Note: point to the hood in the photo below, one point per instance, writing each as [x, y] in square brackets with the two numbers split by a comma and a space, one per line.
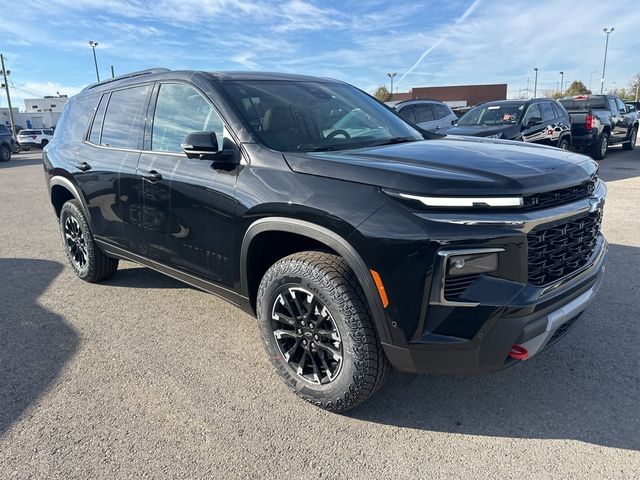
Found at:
[474, 130]
[452, 166]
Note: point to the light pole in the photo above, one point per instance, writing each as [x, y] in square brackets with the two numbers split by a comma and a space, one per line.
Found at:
[561, 83]
[604, 64]
[93, 46]
[391, 75]
[535, 83]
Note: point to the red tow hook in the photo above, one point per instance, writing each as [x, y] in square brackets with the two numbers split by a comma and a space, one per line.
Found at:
[518, 352]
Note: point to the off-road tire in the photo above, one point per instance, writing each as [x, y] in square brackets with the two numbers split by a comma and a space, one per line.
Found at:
[98, 265]
[598, 151]
[328, 277]
[631, 143]
[5, 153]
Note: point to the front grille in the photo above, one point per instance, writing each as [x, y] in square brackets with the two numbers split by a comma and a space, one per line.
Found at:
[454, 287]
[560, 196]
[559, 250]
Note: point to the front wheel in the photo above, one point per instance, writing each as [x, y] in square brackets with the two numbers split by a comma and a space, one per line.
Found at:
[599, 150]
[85, 257]
[631, 143]
[317, 331]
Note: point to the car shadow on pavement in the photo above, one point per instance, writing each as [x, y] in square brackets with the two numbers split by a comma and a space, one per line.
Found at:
[586, 387]
[35, 343]
[142, 277]
[20, 162]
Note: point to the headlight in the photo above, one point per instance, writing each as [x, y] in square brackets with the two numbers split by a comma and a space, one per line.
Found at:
[495, 135]
[472, 264]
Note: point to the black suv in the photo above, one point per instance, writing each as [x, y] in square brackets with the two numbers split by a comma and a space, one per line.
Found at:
[357, 243]
[541, 120]
[7, 144]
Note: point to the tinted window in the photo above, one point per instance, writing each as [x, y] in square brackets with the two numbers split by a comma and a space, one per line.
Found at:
[547, 111]
[557, 108]
[123, 125]
[440, 111]
[583, 103]
[75, 118]
[181, 110]
[407, 114]
[96, 128]
[503, 113]
[612, 105]
[532, 111]
[48, 132]
[423, 113]
[620, 104]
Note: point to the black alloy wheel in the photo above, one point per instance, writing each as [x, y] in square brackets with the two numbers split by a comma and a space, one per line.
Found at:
[75, 242]
[307, 335]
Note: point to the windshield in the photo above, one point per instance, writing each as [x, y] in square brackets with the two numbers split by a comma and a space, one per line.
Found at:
[493, 115]
[315, 116]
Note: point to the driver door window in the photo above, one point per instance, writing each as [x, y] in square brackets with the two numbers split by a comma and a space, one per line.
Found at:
[532, 111]
[181, 110]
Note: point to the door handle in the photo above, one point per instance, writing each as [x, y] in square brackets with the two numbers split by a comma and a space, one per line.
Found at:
[84, 166]
[152, 176]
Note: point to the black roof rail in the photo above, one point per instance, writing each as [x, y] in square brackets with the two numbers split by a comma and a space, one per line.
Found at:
[127, 75]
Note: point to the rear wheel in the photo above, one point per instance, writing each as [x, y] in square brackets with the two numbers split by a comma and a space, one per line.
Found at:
[564, 144]
[599, 150]
[5, 153]
[85, 257]
[318, 332]
[631, 143]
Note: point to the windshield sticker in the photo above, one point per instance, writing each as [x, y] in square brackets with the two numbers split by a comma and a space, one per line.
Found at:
[493, 107]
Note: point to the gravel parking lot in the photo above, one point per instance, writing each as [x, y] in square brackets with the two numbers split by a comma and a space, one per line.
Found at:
[142, 376]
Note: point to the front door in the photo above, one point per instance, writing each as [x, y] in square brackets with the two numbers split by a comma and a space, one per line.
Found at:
[533, 131]
[189, 206]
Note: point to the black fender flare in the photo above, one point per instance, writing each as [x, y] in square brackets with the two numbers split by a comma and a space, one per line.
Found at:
[72, 188]
[332, 240]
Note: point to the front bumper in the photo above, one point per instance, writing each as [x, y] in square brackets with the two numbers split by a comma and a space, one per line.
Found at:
[475, 334]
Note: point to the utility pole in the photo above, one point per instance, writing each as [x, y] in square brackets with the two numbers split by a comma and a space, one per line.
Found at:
[535, 84]
[561, 82]
[113, 75]
[604, 64]
[6, 86]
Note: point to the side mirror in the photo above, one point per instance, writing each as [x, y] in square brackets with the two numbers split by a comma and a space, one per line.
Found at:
[454, 122]
[623, 111]
[201, 145]
[534, 121]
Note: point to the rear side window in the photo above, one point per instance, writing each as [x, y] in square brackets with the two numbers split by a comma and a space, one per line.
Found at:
[181, 110]
[547, 111]
[407, 114]
[123, 125]
[440, 111]
[424, 113]
[96, 128]
[558, 110]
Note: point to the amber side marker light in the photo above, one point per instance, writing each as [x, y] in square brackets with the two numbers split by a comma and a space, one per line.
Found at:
[381, 291]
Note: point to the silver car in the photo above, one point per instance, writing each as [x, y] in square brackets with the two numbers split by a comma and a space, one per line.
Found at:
[427, 114]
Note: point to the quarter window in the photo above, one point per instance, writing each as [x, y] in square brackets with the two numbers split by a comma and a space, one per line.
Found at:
[181, 110]
[440, 111]
[124, 120]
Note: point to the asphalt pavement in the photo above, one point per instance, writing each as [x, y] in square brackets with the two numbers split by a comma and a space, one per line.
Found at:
[144, 377]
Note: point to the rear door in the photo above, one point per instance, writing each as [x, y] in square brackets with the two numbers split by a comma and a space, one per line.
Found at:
[189, 209]
[105, 168]
[618, 132]
[625, 119]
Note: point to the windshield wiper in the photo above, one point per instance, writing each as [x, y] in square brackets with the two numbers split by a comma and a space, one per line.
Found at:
[393, 140]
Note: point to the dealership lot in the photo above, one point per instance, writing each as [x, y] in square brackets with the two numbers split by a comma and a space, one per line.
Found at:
[142, 376]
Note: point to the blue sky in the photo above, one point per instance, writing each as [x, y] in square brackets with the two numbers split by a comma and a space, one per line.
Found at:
[425, 42]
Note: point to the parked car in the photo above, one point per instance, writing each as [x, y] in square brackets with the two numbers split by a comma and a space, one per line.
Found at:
[598, 121]
[541, 120]
[427, 114]
[304, 201]
[34, 137]
[8, 145]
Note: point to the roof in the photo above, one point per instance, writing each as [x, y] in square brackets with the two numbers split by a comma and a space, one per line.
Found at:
[154, 73]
